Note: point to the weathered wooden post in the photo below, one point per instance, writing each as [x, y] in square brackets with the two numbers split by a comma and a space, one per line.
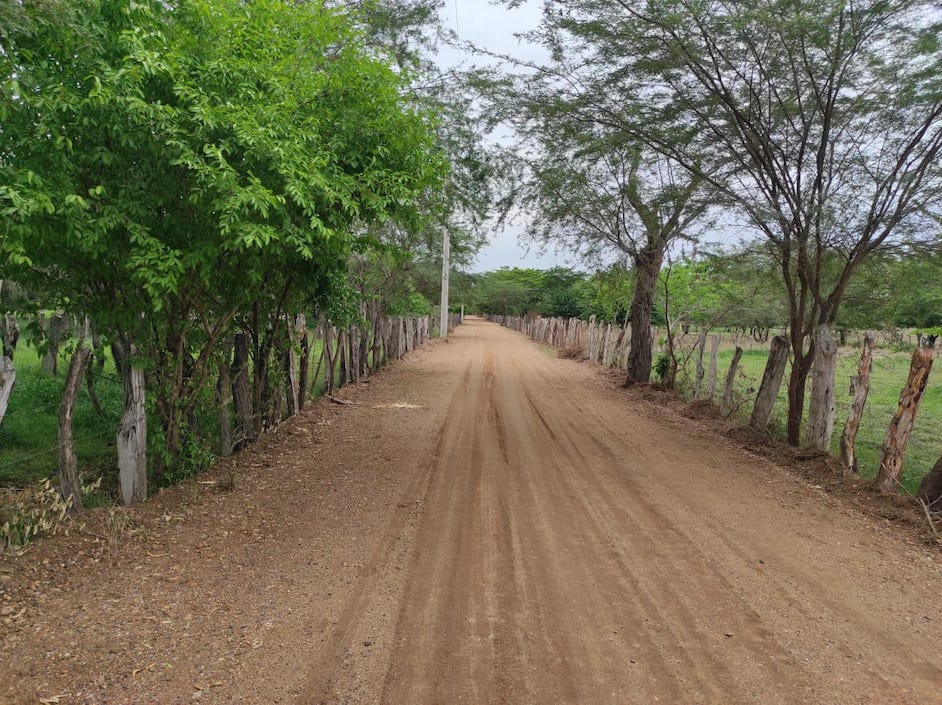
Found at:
[714, 361]
[822, 407]
[727, 406]
[771, 382]
[901, 427]
[859, 389]
[132, 431]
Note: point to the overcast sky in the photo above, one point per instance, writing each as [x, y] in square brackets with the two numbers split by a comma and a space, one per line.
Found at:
[492, 26]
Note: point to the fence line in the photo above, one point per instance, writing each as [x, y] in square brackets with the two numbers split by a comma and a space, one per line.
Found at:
[604, 343]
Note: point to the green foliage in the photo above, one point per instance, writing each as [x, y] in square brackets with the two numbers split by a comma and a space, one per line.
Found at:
[410, 305]
[901, 291]
[662, 366]
[170, 170]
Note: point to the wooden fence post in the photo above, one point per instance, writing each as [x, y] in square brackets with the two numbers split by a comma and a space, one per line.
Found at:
[897, 435]
[730, 380]
[859, 389]
[714, 359]
[822, 407]
[771, 382]
[132, 432]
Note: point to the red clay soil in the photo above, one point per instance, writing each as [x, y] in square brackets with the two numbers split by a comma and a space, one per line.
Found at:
[484, 524]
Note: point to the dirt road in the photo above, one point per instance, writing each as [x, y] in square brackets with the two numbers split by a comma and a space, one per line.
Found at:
[485, 524]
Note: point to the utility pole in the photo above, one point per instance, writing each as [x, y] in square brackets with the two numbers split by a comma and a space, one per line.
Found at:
[446, 255]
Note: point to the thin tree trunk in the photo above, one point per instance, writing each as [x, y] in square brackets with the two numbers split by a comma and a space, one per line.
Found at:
[9, 334]
[859, 389]
[7, 381]
[771, 382]
[132, 431]
[321, 327]
[727, 406]
[930, 488]
[328, 386]
[304, 364]
[56, 329]
[242, 393]
[289, 359]
[68, 464]
[897, 435]
[90, 385]
[822, 407]
[797, 379]
[701, 370]
[223, 401]
[342, 355]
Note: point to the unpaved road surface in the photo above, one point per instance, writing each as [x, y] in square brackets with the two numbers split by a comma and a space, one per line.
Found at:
[484, 524]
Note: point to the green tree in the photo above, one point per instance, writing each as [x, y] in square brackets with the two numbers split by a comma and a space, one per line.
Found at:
[820, 122]
[586, 181]
[169, 169]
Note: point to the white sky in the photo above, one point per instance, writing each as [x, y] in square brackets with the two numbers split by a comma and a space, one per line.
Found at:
[492, 26]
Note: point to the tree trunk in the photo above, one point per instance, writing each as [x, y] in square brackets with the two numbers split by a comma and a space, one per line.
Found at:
[801, 366]
[98, 348]
[771, 382]
[7, 380]
[9, 334]
[304, 340]
[647, 267]
[223, 401]
[68, 464]
[930, 489]
[727, 406]
[289, 358]
[56, 329]
[701, 370]
[822, 407]
[714, 366]
[859, 389]
[90, 385]
[364, 347]
[242, 393]
[132, 431]
[328, 355]
[897, 435]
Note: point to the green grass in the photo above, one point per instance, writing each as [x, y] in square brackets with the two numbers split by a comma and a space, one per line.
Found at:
[29, 429]
[28, 434]
[887, 377]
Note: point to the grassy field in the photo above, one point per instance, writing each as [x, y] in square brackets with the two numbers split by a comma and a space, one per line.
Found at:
[887, 377]
[28, 432]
